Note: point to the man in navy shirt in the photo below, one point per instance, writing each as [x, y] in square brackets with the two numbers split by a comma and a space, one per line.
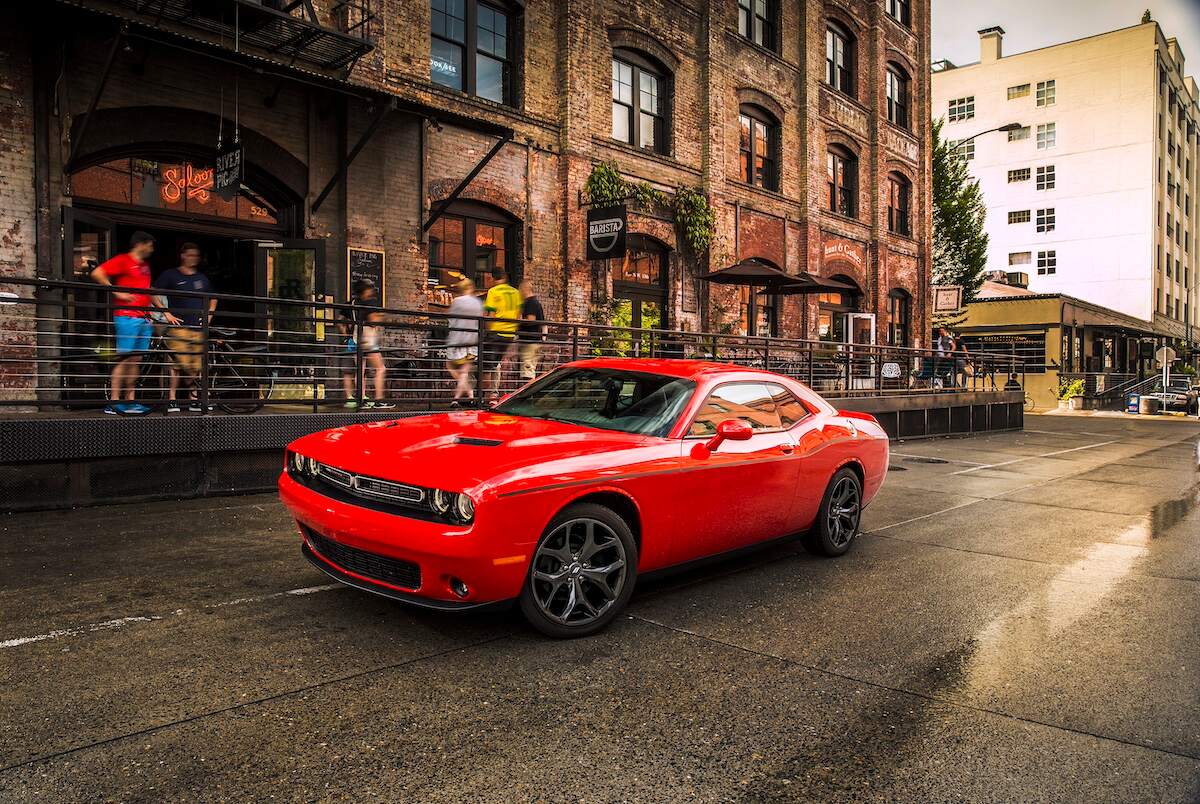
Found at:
[185, 316]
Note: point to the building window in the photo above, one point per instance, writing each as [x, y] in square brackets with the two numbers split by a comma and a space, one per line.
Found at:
[1018, 216]
[965, 149]
[1045, 220]
[897, 95]
[1045, 177]
[842, 181]
[1045, 93]
[1020, 174]
[1176, 307]
[756, 22]
[1047, 136]
[1019, 91]
[900, 11]
[899, 315]
[839, 58]
[759, 148]
[899, 204]
[639, 101]
[1021, 133]
[962, 109]
[471, 49]
[1047, 262]
[1020, 258]
[471, 243]
[758, 313]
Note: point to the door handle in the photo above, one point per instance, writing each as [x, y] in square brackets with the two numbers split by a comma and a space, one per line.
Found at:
[786, 449]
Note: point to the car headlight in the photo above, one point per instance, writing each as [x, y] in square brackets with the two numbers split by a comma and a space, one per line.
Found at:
[441, 501]
[464, 506]
[297, 462]
[452, 505]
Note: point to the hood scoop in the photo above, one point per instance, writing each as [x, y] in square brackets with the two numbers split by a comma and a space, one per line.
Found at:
[470, 441]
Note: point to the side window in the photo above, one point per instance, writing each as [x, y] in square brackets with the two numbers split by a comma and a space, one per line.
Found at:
[750, 402]
[791, 410]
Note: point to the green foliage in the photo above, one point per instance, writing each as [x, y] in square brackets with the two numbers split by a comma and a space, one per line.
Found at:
[695, 221]
[1070, 390]
[959, 242]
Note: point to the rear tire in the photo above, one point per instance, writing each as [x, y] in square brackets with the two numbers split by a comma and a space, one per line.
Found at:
[839, 518]
[582, 574]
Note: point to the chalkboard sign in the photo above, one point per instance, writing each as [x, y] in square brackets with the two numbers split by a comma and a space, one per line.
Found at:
[365, 263]
[227, 178]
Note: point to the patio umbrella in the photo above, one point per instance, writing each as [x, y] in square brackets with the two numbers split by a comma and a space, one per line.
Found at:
[805, 282]
[754, 273]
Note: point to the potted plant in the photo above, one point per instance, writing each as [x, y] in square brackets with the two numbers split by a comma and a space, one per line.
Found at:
[1070, 395]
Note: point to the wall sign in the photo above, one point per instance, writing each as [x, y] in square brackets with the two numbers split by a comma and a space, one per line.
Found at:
[365, 263]
[227, 181]
[947, 298]
[851, 251]
[606, 232]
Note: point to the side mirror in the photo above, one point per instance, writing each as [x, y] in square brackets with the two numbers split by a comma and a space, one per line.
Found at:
[730, 430]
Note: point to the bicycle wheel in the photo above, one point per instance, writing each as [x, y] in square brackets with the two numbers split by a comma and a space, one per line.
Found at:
[238, 387]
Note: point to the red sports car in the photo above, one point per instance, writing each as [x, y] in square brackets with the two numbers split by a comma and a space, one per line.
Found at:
[572, 487]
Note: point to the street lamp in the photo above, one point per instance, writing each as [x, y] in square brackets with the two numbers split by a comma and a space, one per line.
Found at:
[1006, 127]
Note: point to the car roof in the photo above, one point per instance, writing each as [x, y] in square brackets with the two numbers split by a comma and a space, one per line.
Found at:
[687, 369]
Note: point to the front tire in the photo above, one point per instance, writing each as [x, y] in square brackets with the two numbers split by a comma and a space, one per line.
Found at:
[839, 517]
[582, 574]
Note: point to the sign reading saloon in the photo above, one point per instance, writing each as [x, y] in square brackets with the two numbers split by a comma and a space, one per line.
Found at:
[606, 233]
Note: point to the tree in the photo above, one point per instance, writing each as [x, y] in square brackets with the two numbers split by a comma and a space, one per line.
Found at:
[959, 242]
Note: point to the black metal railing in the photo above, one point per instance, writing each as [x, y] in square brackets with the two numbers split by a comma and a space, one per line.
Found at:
[58, 349]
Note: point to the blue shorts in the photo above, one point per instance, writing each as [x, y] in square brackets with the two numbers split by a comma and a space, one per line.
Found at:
[133, 333]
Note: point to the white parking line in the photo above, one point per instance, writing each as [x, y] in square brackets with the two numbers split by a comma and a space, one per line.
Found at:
[935, 458]
[1034, 457]
[108, 625]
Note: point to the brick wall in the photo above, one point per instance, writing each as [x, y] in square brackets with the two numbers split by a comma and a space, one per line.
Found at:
[17, 208]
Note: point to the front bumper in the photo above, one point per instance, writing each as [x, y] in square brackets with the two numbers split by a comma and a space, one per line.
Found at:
[491, 562]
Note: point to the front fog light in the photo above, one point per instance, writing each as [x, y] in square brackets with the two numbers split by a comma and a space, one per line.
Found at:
[465, 508]
[441, 501]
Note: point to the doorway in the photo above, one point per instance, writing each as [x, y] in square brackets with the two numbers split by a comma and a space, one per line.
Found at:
[639, 294]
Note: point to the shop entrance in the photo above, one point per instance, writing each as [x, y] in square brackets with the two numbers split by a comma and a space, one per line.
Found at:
[640, 293]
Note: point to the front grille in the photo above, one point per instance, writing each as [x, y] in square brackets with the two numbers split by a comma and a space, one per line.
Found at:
[404, 574]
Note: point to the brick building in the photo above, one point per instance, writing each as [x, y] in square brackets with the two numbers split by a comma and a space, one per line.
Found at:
[804, 122]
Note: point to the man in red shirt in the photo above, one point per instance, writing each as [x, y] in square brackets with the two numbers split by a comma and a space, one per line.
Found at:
[132, 326]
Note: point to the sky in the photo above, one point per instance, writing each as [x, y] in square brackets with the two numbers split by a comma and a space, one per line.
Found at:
[1030, 24]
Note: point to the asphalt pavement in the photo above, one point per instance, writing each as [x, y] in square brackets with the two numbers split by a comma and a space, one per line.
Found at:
[1019, 623]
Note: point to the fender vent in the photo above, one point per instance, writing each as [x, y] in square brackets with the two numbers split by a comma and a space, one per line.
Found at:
[477, 442]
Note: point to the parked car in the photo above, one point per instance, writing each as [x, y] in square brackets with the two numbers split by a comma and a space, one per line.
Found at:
[577, 484]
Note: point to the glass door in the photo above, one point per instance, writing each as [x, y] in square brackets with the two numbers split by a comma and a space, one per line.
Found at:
[292, 271]
[635, 311]
[85, 336]
[860, 332]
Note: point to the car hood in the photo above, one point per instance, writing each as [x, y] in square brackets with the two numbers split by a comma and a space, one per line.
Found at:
[469, 449]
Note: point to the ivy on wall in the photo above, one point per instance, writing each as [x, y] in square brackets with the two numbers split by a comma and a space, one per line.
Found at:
[695, 221]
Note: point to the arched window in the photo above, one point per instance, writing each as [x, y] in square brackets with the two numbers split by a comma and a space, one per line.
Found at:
[832, 308]
[839, 58]
[472, 47]
[640, 100]
[472, 239]
[842, 181]
[758, 21]
[900, 11]
[759, 147]
[897, 86]
[899, 205]
[899, 317]
[639, 282]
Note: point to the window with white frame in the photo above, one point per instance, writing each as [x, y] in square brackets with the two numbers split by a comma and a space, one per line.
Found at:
[1047, 136]
[1045, 93]
[1020, 174]
[1020, 258]
[1047, 262]
[1018, 91]
[961, 109]
[1021, 133]
[964, 148]
[1018, 216]
[1045, 177]
[1045, 219]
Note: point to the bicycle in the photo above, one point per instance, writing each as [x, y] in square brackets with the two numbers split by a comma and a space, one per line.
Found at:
[239, 381]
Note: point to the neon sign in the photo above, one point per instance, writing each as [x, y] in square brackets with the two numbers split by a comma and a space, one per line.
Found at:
[196, 183]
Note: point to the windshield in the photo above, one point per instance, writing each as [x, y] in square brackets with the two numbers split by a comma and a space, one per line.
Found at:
[610, 399]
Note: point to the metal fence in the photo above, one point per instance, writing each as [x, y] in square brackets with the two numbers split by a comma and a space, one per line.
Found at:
[58, 349]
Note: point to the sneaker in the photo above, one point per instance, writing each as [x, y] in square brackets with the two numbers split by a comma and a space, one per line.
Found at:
[383, 405]
[196, 408]
[350, 405]
[111, 410]
[173, 407]
[136, 409]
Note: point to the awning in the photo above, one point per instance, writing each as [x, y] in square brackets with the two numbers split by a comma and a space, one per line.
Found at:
[754, 273]
[811, 283]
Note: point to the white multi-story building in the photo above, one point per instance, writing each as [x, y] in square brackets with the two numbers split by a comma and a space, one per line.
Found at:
[1095, 196]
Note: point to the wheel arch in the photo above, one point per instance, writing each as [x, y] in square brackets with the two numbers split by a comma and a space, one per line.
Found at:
[619, 502]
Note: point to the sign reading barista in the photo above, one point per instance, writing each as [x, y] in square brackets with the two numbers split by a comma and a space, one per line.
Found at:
[606, 232]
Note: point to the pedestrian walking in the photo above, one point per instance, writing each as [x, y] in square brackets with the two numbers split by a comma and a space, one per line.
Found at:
[361, 326]
[532, 331]
[503, 303]
[963, 367]
[945, 348]
[185, 318]
[131, 325]
[462, 339]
